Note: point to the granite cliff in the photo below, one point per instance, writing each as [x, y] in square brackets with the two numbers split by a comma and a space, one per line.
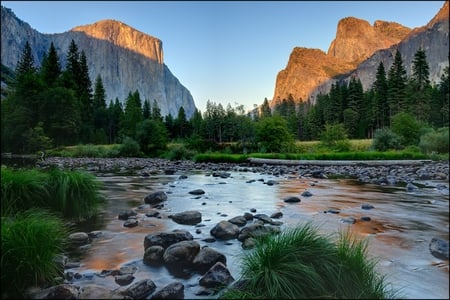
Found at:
[357, 51]
[125, 58]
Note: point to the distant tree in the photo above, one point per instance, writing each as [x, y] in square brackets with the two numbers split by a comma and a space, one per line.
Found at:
[156, 111]
[265, 109]
[407, 127]
[100, 112]
[419, 88]
[115, 115]
[26, 63]
[181, 124]
[169, 122]
[132, 115]
[51, 67]
[146, 109]
[380, 106]
[396, 85]
[152, 136]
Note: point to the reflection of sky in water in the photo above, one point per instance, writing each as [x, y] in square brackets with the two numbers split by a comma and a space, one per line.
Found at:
[401, 226]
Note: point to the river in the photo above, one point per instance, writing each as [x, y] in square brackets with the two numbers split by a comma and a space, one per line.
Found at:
[399, 231]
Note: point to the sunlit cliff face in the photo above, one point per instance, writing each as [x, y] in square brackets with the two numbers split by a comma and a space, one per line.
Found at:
[126, 37]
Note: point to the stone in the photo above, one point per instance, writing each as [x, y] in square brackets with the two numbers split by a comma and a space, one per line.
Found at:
[124, 279]
[61, 291]
[155, 198]
[140, 289]
[174, 290]
[79, 238]
[130, 223]
[225, 230]
[190, 217]
[367, 206]
[306, 194]
[153, 255]
[197, 192]
[238, 220]
[292, 199]
[182, 253]
[217, 276]
[439, 248]
[206, 258]
[165, 239]
[276, 215]
[124, 215]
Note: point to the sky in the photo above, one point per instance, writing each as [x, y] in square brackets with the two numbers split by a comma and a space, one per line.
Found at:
[228, 52]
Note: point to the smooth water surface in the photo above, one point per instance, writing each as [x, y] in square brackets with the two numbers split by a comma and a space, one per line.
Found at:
[402, 224]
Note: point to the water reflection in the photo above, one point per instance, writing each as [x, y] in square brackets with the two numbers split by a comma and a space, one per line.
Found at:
[399, 230]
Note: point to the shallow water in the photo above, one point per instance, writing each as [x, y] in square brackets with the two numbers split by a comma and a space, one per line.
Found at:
[401, 227]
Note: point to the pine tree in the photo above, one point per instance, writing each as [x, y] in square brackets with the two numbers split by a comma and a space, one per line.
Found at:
[419, 87]
[146, 110]
[51, 67]
[132, 115]
[397, 86]
[26, 63]
[156, 111]
[265, 109]
[100, 112]
[380, 106]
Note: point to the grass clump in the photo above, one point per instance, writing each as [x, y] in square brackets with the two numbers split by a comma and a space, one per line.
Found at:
[301, 264]
[73, 194]
[31, 240]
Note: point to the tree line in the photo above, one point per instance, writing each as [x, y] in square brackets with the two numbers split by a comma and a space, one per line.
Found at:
[50, 106]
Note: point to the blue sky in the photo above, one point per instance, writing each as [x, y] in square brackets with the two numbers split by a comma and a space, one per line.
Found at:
[226, 51]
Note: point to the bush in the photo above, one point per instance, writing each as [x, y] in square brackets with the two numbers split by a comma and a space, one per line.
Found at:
[384, 139]
[31, 241]
[435, 141]
[179, 152]
[273, 135]
[407, 128]
[152, 136]
[335, 137]
[129, 148]
[300, 264]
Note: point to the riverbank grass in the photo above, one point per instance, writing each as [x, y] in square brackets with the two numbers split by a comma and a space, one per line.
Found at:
[73, 194]
[301, 264]
[30, 242]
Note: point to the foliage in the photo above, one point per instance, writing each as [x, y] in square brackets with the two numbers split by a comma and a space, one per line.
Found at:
[325, 269]
[31, 240]
[385, 139]
[334, 137]
[179, 152]
[129, 148]
[152, 136]
[435, 141]
[407, 128]
[273, 135]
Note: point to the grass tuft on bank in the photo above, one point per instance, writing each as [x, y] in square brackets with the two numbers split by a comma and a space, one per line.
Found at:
[301, 264]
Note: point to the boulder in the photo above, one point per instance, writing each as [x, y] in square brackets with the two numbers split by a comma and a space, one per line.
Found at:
[155, 198]
[217, 276]
[130, 223]
[124, 279]
[79, 238]
[153, 255]
[190, 217]
[124, 215]
[239, 221]
[439, 248]
[140, 289]
[225, 230]
[206, 258]
[292, 199]
[174, 290]
[182, 253]
[165, 239]
[62, 291]
[197, 192]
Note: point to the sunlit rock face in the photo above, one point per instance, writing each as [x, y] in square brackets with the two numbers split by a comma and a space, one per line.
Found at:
[125, 58]
[357, 51]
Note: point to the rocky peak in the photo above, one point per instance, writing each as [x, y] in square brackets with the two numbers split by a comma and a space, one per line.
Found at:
[126, 37]
[356, 39]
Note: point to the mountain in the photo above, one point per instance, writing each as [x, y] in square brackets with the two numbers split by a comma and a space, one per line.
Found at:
[357, 51]
[125, 58]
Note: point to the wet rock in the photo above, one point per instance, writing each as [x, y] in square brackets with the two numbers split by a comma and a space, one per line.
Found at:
[367, 206]
[153, 255]
[124, 215]
[225, 230]
[127, 270]
[349, 220]
[332, 211]
[62, 291]
[130, 223]
[439, 248]
[318, 174]
[263, 217]
[174, 290]
[169, 171]
[221, 174]
[276, 215]
[95, 234]
[248, 216]
[253, 210]
[292, 199]
[190, 217]
[206, 258]
[152, 213]
[365, 218]
[182, 253]
[79, 238]
[248, 243]
[197, 192]
[140, 289]
[271, 182]
[256, 230]
[165, 239]
[238, 220]
[306, 194]
[155, 198]
[124, 279]
[217, 276]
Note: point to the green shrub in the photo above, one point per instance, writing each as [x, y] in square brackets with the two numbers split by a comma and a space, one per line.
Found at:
[435, 141]
[129, 148]
[407, 128]
[272, 134]
[179, 152]
[31, 240]
[152, 136]
[384, 139]
[300, 264]
[334, 137]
